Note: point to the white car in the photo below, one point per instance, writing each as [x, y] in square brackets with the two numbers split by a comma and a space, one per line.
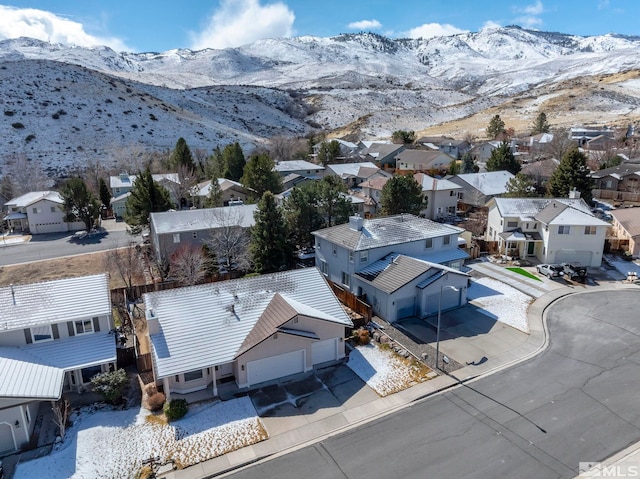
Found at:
[550, 270]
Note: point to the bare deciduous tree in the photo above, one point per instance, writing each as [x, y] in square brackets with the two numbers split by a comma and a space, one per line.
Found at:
[560, 144]
[187, 180]
[282, 148]
[127, 264]
[229, 241]
[188, 265]
[61, 411]
[25, 175]
[133, 158]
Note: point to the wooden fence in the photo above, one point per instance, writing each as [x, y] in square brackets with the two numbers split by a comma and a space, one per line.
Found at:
[616, 195]
[144, 364]
[352, 302]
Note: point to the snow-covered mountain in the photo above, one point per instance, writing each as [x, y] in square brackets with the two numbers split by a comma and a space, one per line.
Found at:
[365, 84]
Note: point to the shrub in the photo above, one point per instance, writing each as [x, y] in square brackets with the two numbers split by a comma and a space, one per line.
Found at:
[361, 336]
[110, 385]
[175, 409]
[9, 112]
[17, 125]
[155, 402]
[30, 138]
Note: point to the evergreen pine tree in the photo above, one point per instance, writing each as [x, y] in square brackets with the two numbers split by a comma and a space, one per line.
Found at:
[540, 125]
[520, 186]
[468, 163]
[79, 202]
[147, 197]
[495, 127]
[334, 205]
[572, 172]
[402, 194]
[234, 161]
[181, 156]
[328, 152]
[454, 168]
[260, 175]
[105, 193]
[302, 215]
[214, 197]
[502, 159]
[270, 248]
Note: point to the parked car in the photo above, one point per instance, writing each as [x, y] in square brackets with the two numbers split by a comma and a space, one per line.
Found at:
[575, 271]
[550, 270]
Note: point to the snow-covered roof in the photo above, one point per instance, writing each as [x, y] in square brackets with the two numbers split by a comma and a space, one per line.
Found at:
[346, 170]
[203, 219]
[36, 371]
[386, 231]
[297, 165]
[206, 325]
[124, 180]
[34, 196]
[27, 305]
[429, 183]
[489, 183]
[203, 188]
[548, 210]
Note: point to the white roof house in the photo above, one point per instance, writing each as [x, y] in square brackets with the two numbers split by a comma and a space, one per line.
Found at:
[33, 196]
[224, 318]
[303, 167]
[124, 181]
[349, 170]
[192, 220]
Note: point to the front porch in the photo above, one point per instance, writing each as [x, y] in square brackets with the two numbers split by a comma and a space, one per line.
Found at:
[520, 245]
[224, 391]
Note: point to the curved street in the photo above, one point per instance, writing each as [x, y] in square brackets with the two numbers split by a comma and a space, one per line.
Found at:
[575, 402]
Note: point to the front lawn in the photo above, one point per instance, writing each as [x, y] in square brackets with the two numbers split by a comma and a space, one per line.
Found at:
[524, 272]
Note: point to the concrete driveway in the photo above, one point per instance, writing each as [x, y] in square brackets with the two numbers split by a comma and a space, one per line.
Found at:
[307, 398]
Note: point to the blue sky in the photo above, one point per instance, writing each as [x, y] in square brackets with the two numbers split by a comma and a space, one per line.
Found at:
[159, 25]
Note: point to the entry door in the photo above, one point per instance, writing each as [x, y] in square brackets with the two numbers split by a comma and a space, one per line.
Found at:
[6, 439]
[531, 247]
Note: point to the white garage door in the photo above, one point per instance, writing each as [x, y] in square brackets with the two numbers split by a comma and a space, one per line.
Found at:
[323, 351]
[406, 307]
[450, 299]
[49, 228]
[275, 367]
[6, 439]
[572, 256]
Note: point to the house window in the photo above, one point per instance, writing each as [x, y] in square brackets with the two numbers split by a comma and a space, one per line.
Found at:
[28, 415]
[428, 243]
[83, 326]
[589, 230]
[117, 191]
[41, 333]
[193, 375]
[535, 226]
[88, 373]
[323, 267]
[346, 279]
[446, 240]
[490, 231]
[512, 224]
[334, 248]
[350, 256]
[564, 230]
[364, 256]
[451, 193]
[53, 209]
[194, 234]
[36, 210]
[176, 237]
[318, 243]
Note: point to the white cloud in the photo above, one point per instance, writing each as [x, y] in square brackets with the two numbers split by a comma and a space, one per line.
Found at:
[603, 4]
[530, 14]
[489, 24]
[46, 26]
[429, 30]
[238, 22]
[365, 25]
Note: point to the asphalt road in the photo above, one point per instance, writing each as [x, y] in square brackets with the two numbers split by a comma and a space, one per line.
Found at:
[575, 402]
[56, 245]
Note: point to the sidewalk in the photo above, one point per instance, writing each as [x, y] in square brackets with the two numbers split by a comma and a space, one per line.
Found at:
[296, 433]
[13, 239]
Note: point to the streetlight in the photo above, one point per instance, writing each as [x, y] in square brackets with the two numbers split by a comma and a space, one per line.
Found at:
[442, 287]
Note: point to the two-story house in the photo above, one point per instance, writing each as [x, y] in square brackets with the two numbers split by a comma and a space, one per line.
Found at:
[299, 167]
[232, 192]
[345, 251]
[353, 174]
[553, 230]
[371, 194]
[54, 336]
[383, 154]
[441, 196]
[621, 182]
[250, 330]
[422, 160]
[39, 212]
[625, 229]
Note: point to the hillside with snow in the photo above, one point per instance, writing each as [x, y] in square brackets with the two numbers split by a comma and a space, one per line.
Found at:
[364, 85]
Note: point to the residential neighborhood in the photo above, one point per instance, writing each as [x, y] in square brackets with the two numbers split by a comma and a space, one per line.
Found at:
[228, 291]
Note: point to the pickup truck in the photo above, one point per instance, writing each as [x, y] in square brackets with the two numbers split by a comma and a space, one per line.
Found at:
[575, 271]
[550, 270]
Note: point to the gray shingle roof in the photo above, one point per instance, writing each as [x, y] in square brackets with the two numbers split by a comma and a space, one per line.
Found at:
[204, 219]
[206, 325]
[26, 305]
[629, 219]
[386, 231]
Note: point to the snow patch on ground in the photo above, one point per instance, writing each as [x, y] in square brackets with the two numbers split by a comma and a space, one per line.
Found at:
[500, 301]
[113, 444]
[384, 371]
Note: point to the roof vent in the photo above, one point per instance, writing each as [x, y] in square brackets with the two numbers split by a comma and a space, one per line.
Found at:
[13, 294]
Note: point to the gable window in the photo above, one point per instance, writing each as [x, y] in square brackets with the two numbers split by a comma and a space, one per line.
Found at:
[83, 326]
[42, 333]
[350, 256]
[195, 235]
[176, 237]
[36, 210]
[364, 256]
[428, 243]
[193, 375]
[564, 230]
[53, 209]
[334, 248]
[446, 240]
[589, 230]
[346, 279]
